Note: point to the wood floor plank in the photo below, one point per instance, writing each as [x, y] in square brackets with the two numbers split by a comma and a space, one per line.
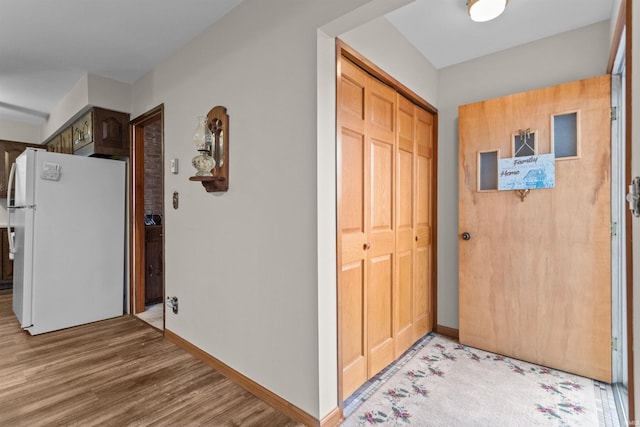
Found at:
[118, 372]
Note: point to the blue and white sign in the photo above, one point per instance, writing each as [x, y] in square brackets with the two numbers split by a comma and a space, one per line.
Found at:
[521, 173]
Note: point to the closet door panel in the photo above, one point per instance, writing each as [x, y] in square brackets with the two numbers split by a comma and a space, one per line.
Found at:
[424, 192]
[379, 308]
[353, 199]
[354, 352]
[380, 111]
[405, 256]
[384, 224]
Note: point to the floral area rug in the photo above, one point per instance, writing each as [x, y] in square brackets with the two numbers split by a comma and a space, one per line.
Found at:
[448, 384]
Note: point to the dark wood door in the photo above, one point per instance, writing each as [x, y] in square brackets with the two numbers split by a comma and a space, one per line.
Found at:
[9, 151]
[153, 264]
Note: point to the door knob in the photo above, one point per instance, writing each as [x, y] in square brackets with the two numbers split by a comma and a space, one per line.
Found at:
[465, 236]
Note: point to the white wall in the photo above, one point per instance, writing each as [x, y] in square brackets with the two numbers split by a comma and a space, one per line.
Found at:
[12, 130]
[90, 90]
[244, 264]
[326, 172]
[381, 43]
[75, 100]
[563, 58]
[108, 93]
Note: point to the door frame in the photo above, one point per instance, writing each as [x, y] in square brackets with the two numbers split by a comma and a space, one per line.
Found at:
[343, 51]
[136, 203]
[622, 39]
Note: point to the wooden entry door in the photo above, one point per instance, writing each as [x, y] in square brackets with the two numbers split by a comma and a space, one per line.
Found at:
[535, 274]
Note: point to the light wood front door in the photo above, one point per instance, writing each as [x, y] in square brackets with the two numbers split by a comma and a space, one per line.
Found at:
[535, 274]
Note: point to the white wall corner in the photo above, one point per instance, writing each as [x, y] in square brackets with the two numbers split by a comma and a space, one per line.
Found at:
[74, 101]
[110, 94]
[365, 13]
[13, 130]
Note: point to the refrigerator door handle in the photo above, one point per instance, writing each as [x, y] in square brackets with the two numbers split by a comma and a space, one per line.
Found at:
[10, 234]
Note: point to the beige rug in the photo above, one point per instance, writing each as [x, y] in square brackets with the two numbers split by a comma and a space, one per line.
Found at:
[448, 384]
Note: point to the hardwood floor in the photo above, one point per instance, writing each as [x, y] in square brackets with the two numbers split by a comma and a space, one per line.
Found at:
[118, 372]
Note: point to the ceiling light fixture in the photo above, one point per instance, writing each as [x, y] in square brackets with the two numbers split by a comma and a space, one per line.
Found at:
[486, 10]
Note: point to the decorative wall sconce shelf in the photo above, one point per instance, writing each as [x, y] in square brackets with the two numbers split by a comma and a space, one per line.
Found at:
[212, 142]
[212, 183]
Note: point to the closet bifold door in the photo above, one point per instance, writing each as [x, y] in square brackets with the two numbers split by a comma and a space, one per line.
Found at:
[353, 224]
[367, 120]
[405, 196]
[385, 163]
[380, 111]
[423, 241]
[412, 308]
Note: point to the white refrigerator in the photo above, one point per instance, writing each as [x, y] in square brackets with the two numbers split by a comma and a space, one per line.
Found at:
[67, 236]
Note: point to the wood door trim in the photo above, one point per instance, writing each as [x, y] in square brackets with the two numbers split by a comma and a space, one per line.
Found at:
[448, 332]
[338, 143]
[136, 203]
[617, 35]
[624, 21]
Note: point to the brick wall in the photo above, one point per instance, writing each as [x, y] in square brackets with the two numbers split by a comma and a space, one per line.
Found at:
[153, 196]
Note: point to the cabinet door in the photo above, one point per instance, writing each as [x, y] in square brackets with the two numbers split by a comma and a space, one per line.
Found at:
[7, 264]
[66, 141]
[54, 145]
[111, 132]
[4, 172]
[82, 132]
[9, 150]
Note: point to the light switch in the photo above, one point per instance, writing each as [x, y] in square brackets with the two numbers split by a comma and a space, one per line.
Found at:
[174, 166]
